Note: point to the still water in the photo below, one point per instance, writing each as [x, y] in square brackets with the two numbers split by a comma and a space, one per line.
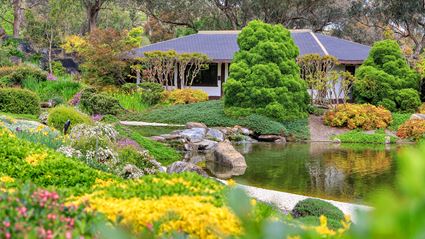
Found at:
[340, 172]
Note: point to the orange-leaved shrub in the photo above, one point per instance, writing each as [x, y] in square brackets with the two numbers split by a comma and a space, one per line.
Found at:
[414, 129]
[365, 116]
[185, 96]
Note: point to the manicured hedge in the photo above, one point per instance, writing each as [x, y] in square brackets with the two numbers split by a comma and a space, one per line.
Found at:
[59, 115]
[316, 208]
[19, 101]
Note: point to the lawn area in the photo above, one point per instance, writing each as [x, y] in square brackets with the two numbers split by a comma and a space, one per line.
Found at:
[359, 136]
[212, 114]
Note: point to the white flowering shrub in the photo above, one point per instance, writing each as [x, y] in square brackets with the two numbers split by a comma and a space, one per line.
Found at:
[96, 130]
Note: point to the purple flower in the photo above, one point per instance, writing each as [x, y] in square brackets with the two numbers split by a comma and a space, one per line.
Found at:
[51, 77]
[122, 143]
[76, 99]
[18, 129]
[97, 117]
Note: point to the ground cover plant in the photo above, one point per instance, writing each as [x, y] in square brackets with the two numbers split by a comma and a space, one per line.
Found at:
[264, 76]
[354, 116]
[58, 116]
[398, 119]
[359, 136]
[211, 113]
[386, 79]
[412, 129]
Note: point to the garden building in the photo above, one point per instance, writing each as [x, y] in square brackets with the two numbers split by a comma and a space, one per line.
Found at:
[220, 46]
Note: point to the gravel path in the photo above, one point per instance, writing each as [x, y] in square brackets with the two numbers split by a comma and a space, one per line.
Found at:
[320, 132]
[141, 123]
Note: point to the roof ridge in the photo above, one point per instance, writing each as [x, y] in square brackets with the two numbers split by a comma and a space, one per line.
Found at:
[320, 43]
[342, 39]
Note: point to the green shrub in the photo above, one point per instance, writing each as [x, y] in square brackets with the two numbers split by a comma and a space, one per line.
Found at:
[264, 76]
[129, 155]
[185, 96]
[129, 88]
[131, 101]
[59, 115]
[16, 75]
[95, 103]
[316, 208]
[47, 90]
[398, 119]
[58, 69]
[315, 221]
[109, 119]
[151, 92]
[358, 136]
[386, 79]
[211, 113]
[19, 101]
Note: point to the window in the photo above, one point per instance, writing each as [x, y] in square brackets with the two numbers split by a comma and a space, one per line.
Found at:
[207, 77]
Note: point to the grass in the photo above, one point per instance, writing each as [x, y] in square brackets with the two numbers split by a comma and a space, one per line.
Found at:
[358, 136]
[162, 153]
[131, 102]
[149, 131]
[211, 113]
[398, 119]
[20, 116]
[64, 88]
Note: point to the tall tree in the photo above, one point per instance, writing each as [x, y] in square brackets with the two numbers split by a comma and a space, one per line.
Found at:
[93, 8]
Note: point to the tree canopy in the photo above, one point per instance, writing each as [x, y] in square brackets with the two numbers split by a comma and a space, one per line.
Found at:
[264, 76]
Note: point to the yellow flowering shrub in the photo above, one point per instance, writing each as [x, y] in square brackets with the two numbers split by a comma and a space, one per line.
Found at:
[35, 159]
[194, 215]
[185, 96]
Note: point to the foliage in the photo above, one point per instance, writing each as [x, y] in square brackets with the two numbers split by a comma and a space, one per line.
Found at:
[163, 154]
[211, 113]
[19, 101]
[185, 96]
[38, 213]
[385, 78]
[47, 90]
[135, 37]
[189, 66]
[129, 88]
[354, 116]
[297, 129]
[414, 129]
[41, 135]
[264, 77]
[131, 101]
[151, 92]
[398, 119]
[421, 109]
[317, 207]
[16, 75]
[101, 52]
[59, 115]
[358, 136]
[99, 103]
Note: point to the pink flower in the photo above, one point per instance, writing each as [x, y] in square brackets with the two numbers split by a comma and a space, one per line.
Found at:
[149, 226]
[6, 224]
[22, 211]
[68, 235]
[8, 235]
[51, 77]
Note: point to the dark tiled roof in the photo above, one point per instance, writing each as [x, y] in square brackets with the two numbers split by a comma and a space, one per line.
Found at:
[221, 46]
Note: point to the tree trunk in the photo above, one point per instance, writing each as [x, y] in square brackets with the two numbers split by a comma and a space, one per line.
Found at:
[50, 52]
[92, 14]
[138, 77]
[17, 17]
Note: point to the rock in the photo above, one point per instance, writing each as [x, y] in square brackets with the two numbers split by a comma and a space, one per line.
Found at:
[206, 144]
[191, 125]
[418, 116]
[15, 60]
[194, 135]
[223, 172]
[246, 131]
[130, 171]
[43, 117]
[170, 136]
[282, 140]
[387, 139]
[158, 138]
[225, 154]
[180, 166]
[336, 141]
[215, 134]
[269, 138]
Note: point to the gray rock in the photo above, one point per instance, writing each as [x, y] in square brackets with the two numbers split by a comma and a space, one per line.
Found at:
[225, 154]
[418, 116]
[336, 141]
[43, 117]
[206, 144]
[223, 172]
[282, 140]
[180, 167]
[246, 131]
[194, 135]
[269, 138]
[191, 125]
[215, 134]
[131, 171]
[387, 139]
[170, 136]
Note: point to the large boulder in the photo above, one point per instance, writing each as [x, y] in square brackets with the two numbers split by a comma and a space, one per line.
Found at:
[418, 117]
[225, 154]
[194, 135]
[180, 167]
[206, 144]
[215, 134]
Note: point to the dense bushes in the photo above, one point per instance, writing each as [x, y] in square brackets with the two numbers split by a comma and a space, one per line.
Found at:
[95, 103]
[316, 208]
[64, 89]
[16, 75]
[358, 136]
[185, 96]
[19, 101]
[59, 115]
[414, 129]
[264, 76]
[354, 116]
[386, 79]
[151, 92]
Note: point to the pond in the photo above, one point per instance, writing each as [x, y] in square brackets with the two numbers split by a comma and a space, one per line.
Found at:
[339, 172]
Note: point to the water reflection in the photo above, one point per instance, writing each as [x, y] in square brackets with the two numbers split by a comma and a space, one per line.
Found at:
[341, 172]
